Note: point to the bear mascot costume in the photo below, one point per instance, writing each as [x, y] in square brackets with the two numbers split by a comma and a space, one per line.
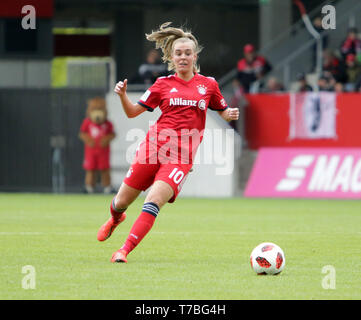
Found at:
[96, 132]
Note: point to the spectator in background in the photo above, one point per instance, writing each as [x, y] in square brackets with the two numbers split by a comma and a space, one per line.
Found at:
[238, 93]
[303, 86]
[152, 69]
[339, 88]
[251, 68]
[332, 65]
[274, 86]
[326, 83]
[358, 85]
[353, 71]
[352, 44]
[237, 100]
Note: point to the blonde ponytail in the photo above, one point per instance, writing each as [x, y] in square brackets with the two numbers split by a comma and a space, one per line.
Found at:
[166, 37]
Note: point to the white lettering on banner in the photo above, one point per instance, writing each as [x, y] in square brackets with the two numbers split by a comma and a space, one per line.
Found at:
[342, 178]
[331, 173]
[323, 173]
[327, 178]
[295, 173]
[356, 178]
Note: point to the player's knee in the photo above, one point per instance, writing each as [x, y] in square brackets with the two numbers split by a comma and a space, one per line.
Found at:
[121, 202]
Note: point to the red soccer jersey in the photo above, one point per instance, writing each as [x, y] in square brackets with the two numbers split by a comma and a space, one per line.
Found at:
[97, 132]
[255, 66]
[184, 105]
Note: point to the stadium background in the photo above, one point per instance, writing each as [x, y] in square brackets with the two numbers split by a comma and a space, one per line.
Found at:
[79, 49]
[200, 246]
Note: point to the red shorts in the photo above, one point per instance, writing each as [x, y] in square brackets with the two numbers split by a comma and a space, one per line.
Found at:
[96, 161]
[142, 175]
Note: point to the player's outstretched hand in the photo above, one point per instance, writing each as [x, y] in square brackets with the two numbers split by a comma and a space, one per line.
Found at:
[233, 114]
[121, 87]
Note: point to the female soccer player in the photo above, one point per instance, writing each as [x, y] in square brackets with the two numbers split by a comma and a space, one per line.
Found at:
[165, 157]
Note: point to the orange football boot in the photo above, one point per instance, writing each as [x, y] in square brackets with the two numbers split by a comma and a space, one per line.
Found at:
[107, 228]
[119, 256]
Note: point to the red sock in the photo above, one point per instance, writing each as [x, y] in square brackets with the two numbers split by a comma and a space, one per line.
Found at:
[116, 213]
[141, 226]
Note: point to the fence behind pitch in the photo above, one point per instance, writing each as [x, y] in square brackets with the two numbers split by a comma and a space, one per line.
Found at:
[39, 145]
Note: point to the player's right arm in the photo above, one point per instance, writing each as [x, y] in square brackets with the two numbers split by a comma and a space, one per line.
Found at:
[131, 110]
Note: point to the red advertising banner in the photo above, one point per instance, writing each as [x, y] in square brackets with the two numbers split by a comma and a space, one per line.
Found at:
[13, 8]
[269, 122]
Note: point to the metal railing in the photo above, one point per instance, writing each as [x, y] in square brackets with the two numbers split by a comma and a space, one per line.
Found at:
[280, 39]
[285, 66]
[295, 28]
[299, 59]
[291, 51]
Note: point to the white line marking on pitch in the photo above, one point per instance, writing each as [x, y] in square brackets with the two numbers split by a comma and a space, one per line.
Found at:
[74, 233]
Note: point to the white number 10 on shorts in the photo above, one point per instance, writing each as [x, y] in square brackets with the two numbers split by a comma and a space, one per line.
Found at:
[177, 175]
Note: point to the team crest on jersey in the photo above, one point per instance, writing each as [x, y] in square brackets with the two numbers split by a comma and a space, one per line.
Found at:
[202, 89]
[202, 104]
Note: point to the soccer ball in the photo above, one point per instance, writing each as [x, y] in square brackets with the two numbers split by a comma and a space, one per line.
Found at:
[267, 258]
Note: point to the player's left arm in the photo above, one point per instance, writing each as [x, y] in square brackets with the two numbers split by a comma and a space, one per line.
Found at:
[218, 102]
[229, 114]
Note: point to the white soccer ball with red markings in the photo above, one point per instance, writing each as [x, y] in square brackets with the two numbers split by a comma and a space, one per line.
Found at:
[268, 258]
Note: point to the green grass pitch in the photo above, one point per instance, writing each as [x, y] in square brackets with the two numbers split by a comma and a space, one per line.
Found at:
[197, 249]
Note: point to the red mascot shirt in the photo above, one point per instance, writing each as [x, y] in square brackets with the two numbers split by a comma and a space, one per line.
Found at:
[96, 157]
